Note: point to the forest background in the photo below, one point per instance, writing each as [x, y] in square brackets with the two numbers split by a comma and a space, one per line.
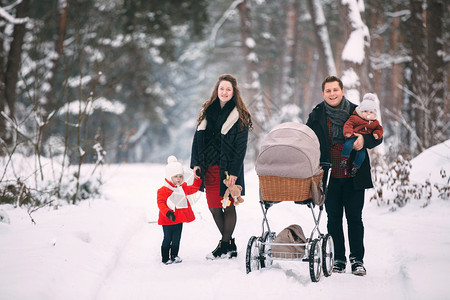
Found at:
[109, 81]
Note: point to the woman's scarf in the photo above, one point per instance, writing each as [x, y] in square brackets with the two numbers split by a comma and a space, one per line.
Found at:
[338, 116]
[215, 118]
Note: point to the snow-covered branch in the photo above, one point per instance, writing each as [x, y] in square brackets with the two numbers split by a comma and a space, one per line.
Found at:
[400, 13]
[223, 18]
[16, 126]
[387, 61]
[11, 19]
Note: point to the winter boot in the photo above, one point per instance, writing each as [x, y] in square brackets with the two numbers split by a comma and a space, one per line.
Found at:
[344, 163]
[358, 267]
[220, 251]
[176, 260]
[339, 266]
[165, 255]
[174, 255]
[232, 249]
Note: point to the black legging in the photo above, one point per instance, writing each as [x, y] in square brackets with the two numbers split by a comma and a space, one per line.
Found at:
[171, 241]
[225, 220]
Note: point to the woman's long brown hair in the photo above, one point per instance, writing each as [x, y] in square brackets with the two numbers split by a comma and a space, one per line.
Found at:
[245, 118]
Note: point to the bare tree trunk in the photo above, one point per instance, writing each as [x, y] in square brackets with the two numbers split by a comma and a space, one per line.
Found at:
[439, 116]
[377, 48]
[252, 82]
[298, 95]
[15, 57]
[327, 64]
[311, 64]
[52, 102]
[418, 85]
[10, 69]
[3, 133]
[391, 76]
[248, 49]
[287, 80]
[391, 96]
[280, 57]
[62, 28]
[397, 69]
[63, 12]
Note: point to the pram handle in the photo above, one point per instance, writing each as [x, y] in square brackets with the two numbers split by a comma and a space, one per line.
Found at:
[328, 166]
[325, 164]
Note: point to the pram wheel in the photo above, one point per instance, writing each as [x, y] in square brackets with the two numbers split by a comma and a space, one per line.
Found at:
[327, 255]
[268, 237]
[315, 261]
[253, 256]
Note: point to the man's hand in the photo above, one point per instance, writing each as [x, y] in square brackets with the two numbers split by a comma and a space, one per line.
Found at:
[359, 142]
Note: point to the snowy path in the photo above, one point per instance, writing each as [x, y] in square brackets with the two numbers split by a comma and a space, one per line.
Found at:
[110, 249]
[402, 261]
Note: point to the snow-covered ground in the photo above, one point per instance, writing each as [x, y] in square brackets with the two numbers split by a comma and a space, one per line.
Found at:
[110, 248]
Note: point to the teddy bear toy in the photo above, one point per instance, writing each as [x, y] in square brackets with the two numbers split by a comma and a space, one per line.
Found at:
[234, 191]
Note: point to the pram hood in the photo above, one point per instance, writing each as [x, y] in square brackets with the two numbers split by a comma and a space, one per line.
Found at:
[289, 150]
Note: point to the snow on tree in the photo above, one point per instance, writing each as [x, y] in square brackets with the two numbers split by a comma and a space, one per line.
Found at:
[355, 50]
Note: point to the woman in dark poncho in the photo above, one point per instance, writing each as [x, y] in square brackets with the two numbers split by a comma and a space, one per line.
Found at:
[218, 148]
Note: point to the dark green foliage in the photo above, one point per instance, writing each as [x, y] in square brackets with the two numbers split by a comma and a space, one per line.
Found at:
[8, 194]
[132, 44]
[17, 194]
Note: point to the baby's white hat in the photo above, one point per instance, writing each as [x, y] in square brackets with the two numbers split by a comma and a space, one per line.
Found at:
[369, 103]
[173, 167]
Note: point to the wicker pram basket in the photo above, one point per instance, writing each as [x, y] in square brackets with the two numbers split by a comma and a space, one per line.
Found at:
[274, 188]
[288, 165]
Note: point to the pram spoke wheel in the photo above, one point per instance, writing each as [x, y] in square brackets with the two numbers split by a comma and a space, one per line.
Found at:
[327, 255]
[315, 261]
[253, 257]
[268, 237]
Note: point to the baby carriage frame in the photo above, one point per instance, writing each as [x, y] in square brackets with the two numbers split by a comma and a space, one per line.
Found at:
[310, 190]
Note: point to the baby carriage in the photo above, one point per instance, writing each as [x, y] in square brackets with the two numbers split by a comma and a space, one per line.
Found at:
[288, 167]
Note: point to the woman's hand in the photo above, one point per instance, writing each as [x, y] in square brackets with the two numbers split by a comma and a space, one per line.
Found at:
[359, 142]
[196, 168]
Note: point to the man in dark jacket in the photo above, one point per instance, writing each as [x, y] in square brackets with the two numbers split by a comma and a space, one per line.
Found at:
[345, 193]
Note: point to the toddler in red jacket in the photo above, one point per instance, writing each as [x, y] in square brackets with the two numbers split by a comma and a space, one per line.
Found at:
[174, 203]
[362, 121]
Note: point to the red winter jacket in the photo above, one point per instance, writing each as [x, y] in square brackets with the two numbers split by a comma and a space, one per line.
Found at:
[183, 215]
[356, 124]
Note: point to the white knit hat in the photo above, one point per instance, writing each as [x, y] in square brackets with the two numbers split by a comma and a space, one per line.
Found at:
[369, 103]
[173, 167]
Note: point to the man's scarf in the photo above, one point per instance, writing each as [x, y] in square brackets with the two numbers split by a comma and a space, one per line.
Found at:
[338, 116]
